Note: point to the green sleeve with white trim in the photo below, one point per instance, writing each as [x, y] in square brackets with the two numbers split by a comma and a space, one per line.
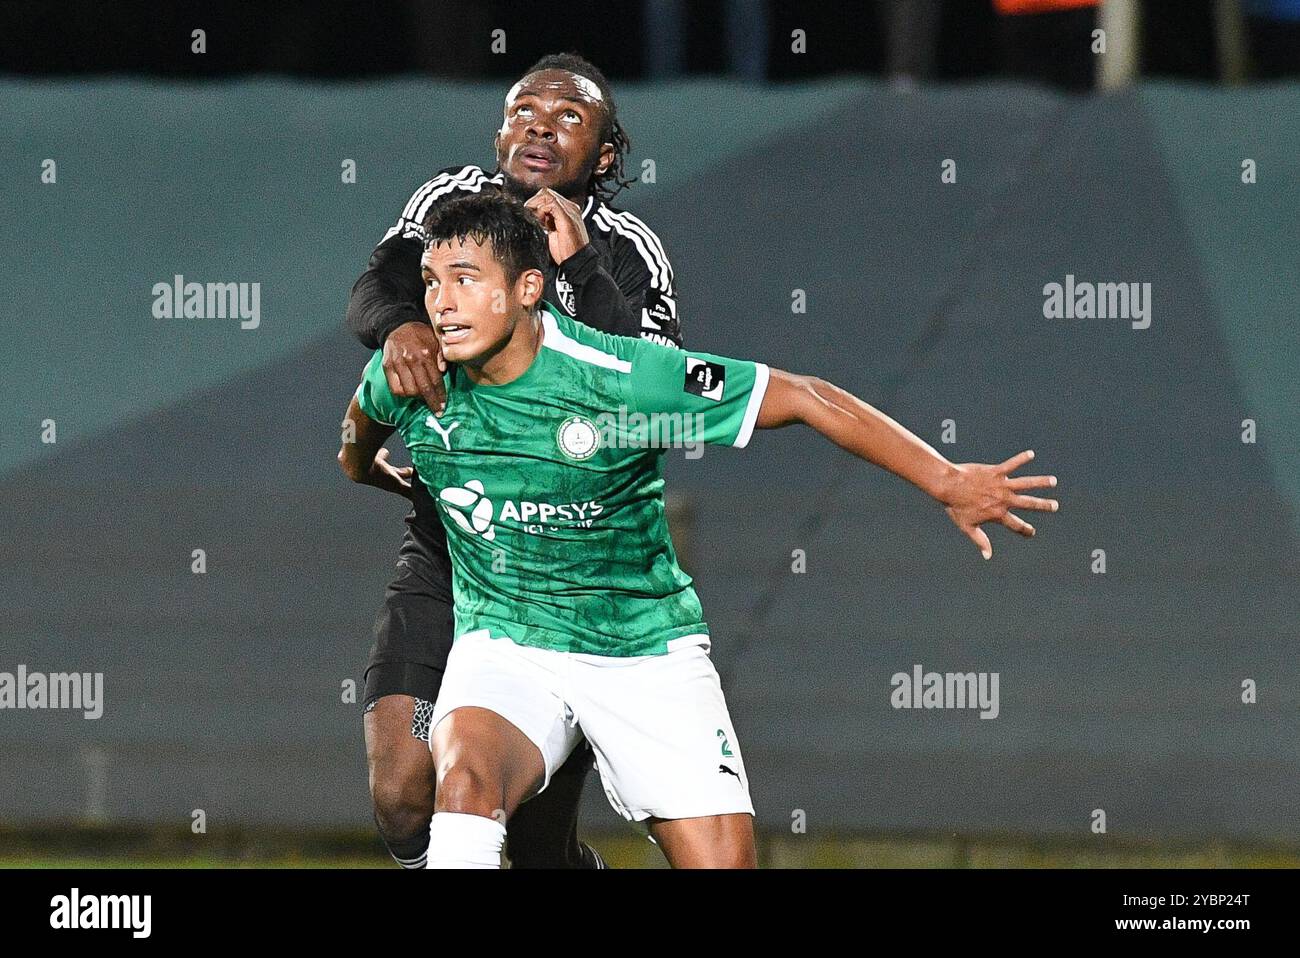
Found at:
[375, 398]
[721, 396]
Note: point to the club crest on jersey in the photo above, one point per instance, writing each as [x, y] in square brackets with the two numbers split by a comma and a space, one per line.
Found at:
[704, 378]
[564, 292]
[578, 438]
[469, 508]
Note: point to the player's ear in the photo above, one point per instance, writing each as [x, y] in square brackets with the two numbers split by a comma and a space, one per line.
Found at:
[530, 286]
[606, 158]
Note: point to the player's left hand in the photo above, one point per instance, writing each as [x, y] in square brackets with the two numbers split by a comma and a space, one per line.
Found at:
[566, 233]
[979, 493]
[384, 475]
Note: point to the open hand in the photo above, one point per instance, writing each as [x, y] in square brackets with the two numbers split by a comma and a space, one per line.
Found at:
[979, 493]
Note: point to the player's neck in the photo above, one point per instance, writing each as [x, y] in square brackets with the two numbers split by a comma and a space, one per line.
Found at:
[578, 193]
[513, 358]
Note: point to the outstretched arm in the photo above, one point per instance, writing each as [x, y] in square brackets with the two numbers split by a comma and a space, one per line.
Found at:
[362, 455]
[972, 493]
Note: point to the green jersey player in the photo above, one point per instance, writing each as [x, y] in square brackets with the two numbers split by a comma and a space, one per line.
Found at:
[572, 615]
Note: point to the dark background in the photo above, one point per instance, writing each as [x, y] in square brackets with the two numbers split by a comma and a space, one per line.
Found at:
[339, 39]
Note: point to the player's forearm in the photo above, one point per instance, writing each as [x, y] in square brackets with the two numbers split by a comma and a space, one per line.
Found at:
[598, 300]
[387, 295]
[357, 460]
[372, 325]
[856, 427]
[362, 440]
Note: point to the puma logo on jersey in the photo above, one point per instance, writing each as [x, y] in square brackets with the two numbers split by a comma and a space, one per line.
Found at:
[729, 771]
[432, 423]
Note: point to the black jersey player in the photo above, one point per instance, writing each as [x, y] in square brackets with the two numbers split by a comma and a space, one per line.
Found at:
[561, 149]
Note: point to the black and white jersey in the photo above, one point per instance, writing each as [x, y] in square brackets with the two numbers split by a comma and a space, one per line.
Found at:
[620, 283]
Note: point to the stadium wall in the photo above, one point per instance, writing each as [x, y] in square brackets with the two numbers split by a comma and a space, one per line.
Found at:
[226, 691]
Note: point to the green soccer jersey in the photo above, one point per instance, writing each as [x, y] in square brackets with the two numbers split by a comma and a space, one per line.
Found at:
[550, 486]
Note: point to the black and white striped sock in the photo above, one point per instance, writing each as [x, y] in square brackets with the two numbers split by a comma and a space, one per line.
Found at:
[412, 853]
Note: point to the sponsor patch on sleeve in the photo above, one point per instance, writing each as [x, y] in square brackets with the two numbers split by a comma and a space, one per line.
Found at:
[659, 312]
[704, 378]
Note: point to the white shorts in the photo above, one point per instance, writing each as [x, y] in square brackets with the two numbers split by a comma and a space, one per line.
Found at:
[664, 743]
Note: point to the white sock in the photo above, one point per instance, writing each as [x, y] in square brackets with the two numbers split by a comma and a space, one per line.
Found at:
[457, 840]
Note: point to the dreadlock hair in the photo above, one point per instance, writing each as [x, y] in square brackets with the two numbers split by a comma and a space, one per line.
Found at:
[605, 185]
[517, 238]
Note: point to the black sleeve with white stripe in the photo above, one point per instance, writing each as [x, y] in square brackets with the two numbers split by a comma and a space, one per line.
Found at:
[642, 272]
[598, 301]
[389, 293]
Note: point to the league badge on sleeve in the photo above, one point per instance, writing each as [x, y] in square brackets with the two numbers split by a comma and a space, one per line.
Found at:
[704, 378]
